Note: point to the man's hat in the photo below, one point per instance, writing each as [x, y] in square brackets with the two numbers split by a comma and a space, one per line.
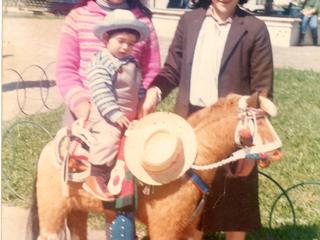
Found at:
[160, 148]
[121, 19]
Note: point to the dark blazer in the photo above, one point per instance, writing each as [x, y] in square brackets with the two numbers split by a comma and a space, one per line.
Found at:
[246, 66]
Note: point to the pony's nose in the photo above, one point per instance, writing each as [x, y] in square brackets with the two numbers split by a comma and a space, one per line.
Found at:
[276, 155]
[264, 163]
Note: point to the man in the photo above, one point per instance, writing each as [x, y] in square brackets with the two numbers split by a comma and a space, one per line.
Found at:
[217, 49]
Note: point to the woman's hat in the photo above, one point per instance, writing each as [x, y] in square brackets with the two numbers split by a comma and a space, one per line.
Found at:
[121, 19]
[160, 148]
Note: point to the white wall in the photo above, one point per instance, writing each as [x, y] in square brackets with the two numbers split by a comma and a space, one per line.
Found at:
[283, 32]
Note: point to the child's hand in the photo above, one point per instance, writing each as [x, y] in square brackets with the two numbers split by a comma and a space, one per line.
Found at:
[123, 122]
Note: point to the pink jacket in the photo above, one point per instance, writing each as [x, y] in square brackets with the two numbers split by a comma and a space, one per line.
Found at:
[78, 44]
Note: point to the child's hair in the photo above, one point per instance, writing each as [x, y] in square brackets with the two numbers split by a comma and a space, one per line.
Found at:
[124, 30]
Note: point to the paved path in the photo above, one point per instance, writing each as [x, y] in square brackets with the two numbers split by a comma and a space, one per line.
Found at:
[34, 41]
[14, 222]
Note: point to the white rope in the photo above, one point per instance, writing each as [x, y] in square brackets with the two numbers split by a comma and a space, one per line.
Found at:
[241, 154]
[234, 157]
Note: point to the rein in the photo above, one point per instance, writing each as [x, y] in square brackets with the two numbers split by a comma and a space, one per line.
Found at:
[248, 119]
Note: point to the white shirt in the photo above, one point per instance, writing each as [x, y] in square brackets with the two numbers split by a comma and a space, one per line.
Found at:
[207, 59]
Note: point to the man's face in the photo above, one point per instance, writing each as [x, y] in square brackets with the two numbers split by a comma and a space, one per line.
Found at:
[225, 7]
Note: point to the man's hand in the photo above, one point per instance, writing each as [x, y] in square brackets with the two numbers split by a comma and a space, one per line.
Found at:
[82, 110]
[149, 103]
[123, 122]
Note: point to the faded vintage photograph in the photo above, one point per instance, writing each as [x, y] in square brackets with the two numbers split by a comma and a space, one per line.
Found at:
[160, 119]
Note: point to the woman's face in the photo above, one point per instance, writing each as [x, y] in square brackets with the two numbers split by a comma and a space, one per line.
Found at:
[115, 1]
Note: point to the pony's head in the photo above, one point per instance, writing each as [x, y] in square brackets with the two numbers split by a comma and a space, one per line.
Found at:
[235, 128]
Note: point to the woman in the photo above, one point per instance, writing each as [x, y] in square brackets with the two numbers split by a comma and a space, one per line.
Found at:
[77, 46]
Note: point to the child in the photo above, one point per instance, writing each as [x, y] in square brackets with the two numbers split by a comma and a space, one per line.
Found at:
[116, 88]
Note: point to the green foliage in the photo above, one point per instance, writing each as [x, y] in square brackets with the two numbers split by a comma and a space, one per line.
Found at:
[296, 96]
[22, 141]
[296, 93]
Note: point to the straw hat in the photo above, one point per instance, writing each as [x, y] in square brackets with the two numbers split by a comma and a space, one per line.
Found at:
[160, 148]
[120, 19]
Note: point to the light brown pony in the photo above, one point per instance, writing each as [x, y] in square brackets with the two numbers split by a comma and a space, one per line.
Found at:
[167, 212]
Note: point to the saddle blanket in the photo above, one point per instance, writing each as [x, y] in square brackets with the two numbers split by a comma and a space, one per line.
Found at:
[76, 167]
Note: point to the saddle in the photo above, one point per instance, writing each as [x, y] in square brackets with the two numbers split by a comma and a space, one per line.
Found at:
[72, 153]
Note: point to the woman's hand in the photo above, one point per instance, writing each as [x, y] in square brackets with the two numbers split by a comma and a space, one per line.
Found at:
[123, 122]
[82, 110]
[149, 103]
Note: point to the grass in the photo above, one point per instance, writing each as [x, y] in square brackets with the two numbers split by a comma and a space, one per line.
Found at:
[296, 93]
[22, 141]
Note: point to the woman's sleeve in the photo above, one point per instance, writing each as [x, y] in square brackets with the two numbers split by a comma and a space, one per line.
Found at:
[150, 60]
[169, 76]
[262, 63]
[68, 79]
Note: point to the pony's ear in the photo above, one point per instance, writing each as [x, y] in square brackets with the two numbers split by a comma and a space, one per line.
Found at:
[263, 93]
[253, 100]
[258, 100]
[268, 106]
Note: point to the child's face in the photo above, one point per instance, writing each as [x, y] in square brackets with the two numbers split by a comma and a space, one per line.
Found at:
[120, 44]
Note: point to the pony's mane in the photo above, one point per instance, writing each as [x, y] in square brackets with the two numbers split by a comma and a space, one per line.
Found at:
[224, 106]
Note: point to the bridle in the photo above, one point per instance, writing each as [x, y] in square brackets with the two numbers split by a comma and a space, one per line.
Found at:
[248, 120]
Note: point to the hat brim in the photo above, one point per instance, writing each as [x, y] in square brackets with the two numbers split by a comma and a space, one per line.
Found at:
[133, 150]
[104, 27]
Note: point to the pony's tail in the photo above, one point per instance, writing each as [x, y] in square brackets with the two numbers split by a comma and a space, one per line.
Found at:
[33, 229]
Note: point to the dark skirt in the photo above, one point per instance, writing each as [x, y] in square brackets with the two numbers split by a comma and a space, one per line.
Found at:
[233, 204]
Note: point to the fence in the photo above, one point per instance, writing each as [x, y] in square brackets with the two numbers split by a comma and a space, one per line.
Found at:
[33, 89]
[57, 7]
[10, 3]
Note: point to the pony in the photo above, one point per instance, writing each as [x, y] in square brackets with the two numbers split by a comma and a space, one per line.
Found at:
[169, 212]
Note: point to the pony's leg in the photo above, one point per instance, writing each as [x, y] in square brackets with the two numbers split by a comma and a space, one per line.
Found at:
[77, 224]
[51, 218]
[192, 234]
[176, 227]
[52, 204]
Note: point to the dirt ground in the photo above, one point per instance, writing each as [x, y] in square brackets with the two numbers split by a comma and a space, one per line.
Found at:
[29, 49]
[29, 41]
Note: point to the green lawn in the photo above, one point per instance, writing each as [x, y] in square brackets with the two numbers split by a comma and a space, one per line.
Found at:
[296, 93]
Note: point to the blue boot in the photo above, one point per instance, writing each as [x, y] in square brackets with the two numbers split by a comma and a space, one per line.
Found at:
[123, 227]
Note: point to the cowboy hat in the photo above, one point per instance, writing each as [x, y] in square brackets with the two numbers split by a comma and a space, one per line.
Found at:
[121, 19]
[160, 148]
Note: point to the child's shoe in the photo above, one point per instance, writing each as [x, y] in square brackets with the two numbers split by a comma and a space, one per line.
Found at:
[96, 185]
